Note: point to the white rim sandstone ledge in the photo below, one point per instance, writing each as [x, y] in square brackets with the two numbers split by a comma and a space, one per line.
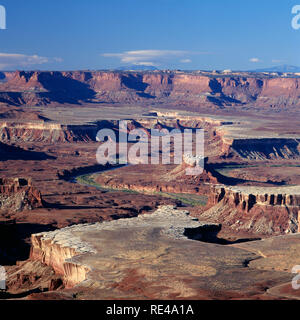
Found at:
[57, 248]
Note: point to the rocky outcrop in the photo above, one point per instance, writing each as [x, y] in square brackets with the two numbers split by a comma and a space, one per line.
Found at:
[193, 161]
[247, 197]
[190, 89]
[272, 210]
[30, 276]
[56, 249]
[27, 130]
[62, 249]
[153, 257]
[18, 194]
[46, 132]
[266, 148]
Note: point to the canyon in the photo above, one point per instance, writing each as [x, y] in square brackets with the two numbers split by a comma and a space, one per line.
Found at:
[170, 266]
[193, 90]
[74, 226]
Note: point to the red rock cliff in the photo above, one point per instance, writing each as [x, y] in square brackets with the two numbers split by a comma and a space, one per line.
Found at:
[18, 194]
[37, 88]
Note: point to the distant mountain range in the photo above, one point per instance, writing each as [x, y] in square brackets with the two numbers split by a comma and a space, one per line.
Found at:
[283, 68]
[137, 68]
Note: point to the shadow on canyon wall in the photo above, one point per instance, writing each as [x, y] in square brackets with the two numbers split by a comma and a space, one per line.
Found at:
[231, 181]
[209, 234]
[8, 152]
[135, 82]
[14, 241]
[62, 89]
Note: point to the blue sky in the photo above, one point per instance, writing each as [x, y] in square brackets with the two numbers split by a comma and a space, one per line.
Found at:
[183, 34]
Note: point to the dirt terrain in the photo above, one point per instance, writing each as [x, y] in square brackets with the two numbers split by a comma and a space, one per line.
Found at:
[250, 186]
[151, 257]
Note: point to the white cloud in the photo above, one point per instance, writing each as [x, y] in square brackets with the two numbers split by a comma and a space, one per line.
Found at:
[152, 57]
[16, 60]
[276, 61]
[186, 60]
[56, 59]
[255, 60]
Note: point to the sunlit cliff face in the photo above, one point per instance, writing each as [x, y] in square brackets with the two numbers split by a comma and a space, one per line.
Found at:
[38, 88]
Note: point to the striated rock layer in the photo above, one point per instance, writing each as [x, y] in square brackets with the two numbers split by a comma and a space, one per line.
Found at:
[41, 87]
[265, 210]
[18, 194]
[46, 132]
[56, 249]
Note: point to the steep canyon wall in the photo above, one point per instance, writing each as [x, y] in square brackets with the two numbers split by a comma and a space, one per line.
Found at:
[42, 88]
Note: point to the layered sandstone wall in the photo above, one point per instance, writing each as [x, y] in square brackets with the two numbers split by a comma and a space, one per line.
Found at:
[12, 131]
[48, 131]
[247, 197]
[267, 148]
[273, 210]
[18, 194]
[56, 249]
[247, 144]
[38, 88]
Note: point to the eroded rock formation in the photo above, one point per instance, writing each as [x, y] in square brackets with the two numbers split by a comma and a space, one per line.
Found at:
[17, 194]
[37, 88]
[271, 210]
[151, 257]
[60, 249]
[56, 249]
[46, 132]
[263, 148]
[247, 197]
